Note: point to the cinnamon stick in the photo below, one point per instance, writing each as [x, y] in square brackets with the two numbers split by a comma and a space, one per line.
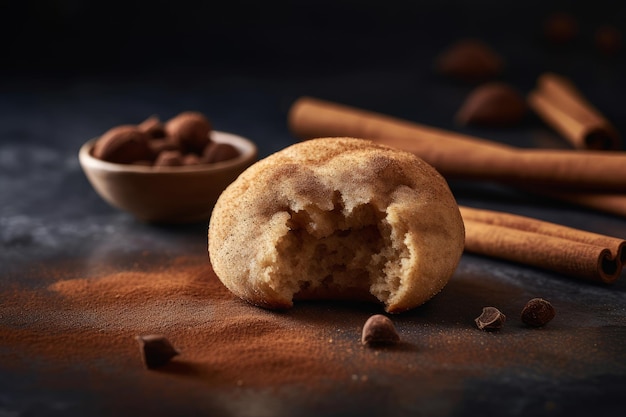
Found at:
[541, 244]
[460, 156]
[559, 103]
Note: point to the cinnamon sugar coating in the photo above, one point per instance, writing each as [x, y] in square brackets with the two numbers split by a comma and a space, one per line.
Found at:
[337, 218]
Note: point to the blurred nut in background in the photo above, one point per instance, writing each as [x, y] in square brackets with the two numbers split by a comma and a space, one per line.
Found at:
[123, 145]
[492, 104]
[216, 152]
[153, 127]
[190, 130]
[608, 39]
[184, 139]
[560, 28]
[469, 60]
[169, 159]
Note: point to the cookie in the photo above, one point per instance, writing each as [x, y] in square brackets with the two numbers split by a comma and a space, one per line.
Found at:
[337, 218]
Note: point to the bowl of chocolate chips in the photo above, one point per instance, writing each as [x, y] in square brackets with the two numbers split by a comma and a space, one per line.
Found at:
[168, 171]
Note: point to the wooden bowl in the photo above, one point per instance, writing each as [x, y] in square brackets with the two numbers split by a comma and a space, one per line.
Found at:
[182, 194]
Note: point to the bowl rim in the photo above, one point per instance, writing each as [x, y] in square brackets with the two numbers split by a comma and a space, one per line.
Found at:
[247, 148]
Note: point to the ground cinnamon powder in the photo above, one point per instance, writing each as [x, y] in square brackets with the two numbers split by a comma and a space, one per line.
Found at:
[221, 337]
[88, 320]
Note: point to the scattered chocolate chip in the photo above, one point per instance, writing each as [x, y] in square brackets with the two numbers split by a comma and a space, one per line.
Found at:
[469, 60]
[153, 127]
[123, 145]
[155, 350]
[169, 158]
[560, 28]
[379, 330]
[608, 39]
[537, 312]
[492, 104]
[490, 319]
[190, 130]
[216, 152]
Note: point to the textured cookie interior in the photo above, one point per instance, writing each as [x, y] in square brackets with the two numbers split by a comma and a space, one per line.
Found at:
[336, 252]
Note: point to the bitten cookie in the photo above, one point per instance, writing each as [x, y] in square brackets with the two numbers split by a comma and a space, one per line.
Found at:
[337, 218]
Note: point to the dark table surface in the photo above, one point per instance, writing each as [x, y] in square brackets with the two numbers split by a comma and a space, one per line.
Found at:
[247, 77]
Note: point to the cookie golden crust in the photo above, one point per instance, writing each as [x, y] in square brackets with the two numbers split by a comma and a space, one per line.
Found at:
[337, 218]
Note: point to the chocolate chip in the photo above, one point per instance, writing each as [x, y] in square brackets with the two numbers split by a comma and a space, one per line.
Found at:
[379, 330]
[155, 350]
[490, 319]
[537, 312]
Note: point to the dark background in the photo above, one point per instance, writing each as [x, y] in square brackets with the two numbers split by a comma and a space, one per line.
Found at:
[125, 60]
[69, 37]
